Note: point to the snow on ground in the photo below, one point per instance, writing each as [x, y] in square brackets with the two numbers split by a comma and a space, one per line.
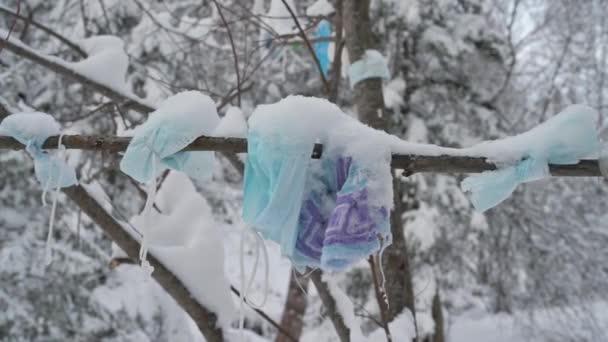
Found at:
[586, 322]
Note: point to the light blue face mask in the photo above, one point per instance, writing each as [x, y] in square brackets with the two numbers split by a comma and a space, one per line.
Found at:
[322, 48]
[32, 130]
[275, 176]
[564, 139]
[338, 224]
[157, 144]
[322, 212]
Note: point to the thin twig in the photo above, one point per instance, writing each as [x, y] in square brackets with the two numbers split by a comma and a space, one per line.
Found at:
[234, 54]
[10, 30]
[380, 298]
[336, 68]
[266, 317]
[308, 45]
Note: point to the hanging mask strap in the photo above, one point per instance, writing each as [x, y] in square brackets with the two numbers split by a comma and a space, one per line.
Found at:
[49, 239]
[247, 284]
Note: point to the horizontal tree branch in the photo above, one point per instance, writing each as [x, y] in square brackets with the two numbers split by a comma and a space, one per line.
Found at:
[126, 100]
[410, 163]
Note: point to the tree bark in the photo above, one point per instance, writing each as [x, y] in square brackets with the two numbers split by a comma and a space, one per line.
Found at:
[409, 163]
[437, 313]
[295, 308]
[369, 101]
[205, 320]
[330, 305]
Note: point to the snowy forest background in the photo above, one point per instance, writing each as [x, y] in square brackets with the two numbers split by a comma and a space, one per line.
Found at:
[463, 71]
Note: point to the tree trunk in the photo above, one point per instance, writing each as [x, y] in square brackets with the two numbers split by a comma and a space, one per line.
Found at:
[330, 305]
[437, 314]
[295, 308]
[370, 107]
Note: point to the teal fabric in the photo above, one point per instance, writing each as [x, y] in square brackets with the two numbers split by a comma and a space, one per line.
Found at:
[564, 139]
[50, 171]
[275, 176]
[322, 48]
[156, 146]
[490, 188]
[371, 65]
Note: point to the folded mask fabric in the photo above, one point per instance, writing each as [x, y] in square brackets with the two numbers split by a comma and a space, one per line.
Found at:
[566, 138]
[371, 65]
[157, 145]
[338, 225]
[275, 176]
[32, 130]
[323, 212]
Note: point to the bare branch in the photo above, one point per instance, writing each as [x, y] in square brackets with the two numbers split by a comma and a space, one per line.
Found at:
[55, 65]
[330, 305]
[10, 30]
[234, 54]
[308, 45]
[380, 297]
[45, 29]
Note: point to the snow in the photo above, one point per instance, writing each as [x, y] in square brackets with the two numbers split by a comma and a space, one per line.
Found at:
[99, 68]
[571, 131]
[232, 125]
[106, 63]
[186, 239]
[345, 308]
[193, 107]
[568, 130]
[401, 328]
[393, 93]
[320, 8]
[309, 120]
[36, 125]
[278, 17]
[547, 324]
[421, 223]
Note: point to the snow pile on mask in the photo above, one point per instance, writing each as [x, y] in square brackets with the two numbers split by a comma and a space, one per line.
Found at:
[32, 130]
[566, 138]
[157, 144]
[329, 212]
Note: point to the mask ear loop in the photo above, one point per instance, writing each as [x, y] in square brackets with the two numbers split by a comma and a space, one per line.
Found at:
[151, 190]
[246, 286]
[49, 239]
[46, 189]
[382, 276]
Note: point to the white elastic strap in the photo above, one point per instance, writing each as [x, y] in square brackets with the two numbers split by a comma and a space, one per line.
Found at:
[48, 255]
[147, 219]
[383, 278]
[295, 277]
[246, 285]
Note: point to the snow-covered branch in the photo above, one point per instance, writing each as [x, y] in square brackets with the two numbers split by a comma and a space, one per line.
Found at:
[61, 67]
[410, 163]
